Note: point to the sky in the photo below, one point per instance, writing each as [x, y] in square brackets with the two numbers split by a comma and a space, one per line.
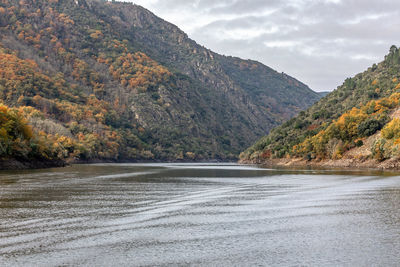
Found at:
[319, 42]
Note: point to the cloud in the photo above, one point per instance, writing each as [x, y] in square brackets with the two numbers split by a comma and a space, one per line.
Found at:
[320, 42]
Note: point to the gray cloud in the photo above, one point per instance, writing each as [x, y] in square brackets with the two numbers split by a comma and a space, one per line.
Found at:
[320, 42]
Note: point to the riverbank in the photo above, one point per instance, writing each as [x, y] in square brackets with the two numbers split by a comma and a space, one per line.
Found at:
[15, 164]
[389, 164]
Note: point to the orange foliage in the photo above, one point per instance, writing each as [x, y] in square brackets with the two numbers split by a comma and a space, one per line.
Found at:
[138, 70]
[345, 128]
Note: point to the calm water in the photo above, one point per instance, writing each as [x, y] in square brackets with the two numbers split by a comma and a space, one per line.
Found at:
[186, 214]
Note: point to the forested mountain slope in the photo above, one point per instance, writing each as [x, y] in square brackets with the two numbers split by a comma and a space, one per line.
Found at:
[359, 120]
[111, 81]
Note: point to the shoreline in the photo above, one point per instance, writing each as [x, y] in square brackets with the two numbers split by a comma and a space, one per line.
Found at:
[389, 164]
[15, 164]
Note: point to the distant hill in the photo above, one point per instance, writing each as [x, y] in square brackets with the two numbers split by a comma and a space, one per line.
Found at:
[358, 121]
[111, 81]
[323, 94]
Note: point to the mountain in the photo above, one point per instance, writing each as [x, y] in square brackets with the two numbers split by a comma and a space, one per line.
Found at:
[111, 81]
[357, 124]
[323, 94]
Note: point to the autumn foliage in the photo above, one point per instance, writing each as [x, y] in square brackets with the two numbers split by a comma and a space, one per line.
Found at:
[69, 114]
[18, 140]
[362, 112]
[356, 124]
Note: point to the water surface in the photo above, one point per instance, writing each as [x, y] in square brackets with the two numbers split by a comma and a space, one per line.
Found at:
[198, 214]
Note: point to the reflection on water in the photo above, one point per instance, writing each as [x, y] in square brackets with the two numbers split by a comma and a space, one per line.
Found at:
[198, 214]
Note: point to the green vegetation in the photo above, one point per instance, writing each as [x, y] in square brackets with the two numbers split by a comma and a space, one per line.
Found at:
[18, 140]
[111, 81]
[342, 120]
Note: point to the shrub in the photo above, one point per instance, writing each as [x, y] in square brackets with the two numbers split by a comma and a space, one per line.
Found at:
[378, 151]
[369, 127]
[392, 129]
[359, 143]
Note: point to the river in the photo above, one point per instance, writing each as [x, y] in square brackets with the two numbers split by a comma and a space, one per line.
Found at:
[199, 215]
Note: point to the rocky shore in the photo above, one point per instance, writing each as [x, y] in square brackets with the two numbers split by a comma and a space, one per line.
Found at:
[390, 164]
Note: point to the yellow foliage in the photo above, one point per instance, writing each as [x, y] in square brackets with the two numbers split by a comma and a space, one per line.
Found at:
[392, 129]
[190, 155]
[345, 128]
[96, 34]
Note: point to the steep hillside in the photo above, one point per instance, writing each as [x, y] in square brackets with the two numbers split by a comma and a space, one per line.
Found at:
[119, 83]
[18, 141]
[359, 120]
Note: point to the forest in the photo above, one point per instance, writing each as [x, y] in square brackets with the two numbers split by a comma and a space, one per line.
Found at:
[110, 81]
[363, 106]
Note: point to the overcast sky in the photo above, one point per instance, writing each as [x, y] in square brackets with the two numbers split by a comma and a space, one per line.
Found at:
[319, 42]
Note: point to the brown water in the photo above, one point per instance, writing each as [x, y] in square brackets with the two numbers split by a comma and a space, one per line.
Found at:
[198, 214]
